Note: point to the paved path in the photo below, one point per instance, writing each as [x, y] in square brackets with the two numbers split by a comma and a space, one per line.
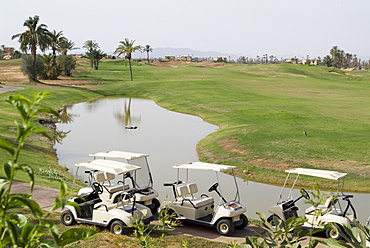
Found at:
[44, 196]
[9, 88]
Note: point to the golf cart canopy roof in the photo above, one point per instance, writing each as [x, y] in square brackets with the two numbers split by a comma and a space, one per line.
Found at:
[334, 175]
[113, 167]
[205, 166]
[119, 154]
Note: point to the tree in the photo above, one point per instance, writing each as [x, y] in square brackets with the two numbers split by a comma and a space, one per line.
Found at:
[93, 53]
[28, 65]
[127, 47]
[65, 45]
[147, 49]
[90, 45]
[55, 39]
[35, 36]
[54, 70]
[95, 56]
[67, 64]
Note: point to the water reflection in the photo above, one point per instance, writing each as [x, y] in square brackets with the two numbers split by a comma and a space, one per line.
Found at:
[169, 138]
[125, 118]
[59, 136]
[65, 117]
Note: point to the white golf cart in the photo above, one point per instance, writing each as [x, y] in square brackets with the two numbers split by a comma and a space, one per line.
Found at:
[104, 205]
[139, 179]
[330, 212]
[226, 216]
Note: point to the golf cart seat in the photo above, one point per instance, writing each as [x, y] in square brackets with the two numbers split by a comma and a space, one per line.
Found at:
[190, 201]
[107, 177]
[106, 206]
[325, 208]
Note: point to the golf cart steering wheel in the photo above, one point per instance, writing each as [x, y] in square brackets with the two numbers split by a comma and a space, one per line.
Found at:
[305, 194]
[213, 187]
[97, 187]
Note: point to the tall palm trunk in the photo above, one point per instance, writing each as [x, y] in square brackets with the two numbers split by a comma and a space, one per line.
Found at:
[34, 75]
[132, 77]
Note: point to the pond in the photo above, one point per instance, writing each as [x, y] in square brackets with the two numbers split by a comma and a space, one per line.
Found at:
[170, 138]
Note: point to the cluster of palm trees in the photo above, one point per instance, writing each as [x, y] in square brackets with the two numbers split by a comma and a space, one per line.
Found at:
[339, 59]
[125, 47]
[264, 59]
[38, 36]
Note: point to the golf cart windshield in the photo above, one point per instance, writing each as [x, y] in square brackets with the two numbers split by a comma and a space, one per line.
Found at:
[143, 176]
[207, 167]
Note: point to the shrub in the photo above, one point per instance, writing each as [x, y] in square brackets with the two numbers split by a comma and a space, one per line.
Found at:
[27, 67]
[67, 64]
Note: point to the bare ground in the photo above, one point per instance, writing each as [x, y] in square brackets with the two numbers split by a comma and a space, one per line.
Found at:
[11, 74]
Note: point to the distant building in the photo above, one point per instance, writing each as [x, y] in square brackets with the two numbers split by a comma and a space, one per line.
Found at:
[311, 61]
[7, 52]
[221, 59]
[185, 58]
[170, 58]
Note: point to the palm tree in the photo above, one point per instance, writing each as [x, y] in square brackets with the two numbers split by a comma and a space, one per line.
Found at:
[55, 39]
[95, 55]
[127, 47]
[35, 36]
[65, 45]
[147, 49]
[90, 45]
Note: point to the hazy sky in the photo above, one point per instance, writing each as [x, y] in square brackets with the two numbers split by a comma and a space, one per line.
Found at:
[242, 27]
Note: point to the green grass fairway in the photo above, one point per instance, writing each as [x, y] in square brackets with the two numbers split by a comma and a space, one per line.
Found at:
[262, 112]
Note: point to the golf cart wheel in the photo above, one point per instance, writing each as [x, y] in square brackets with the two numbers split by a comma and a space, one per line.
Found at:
[333, 232]
[157, 204]
[225, 227]
[67, 218]
[118, 227]
[168, 214]
[244, 223]
[271, 221]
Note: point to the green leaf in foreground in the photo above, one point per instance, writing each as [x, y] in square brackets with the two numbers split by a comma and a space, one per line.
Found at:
[76, 234]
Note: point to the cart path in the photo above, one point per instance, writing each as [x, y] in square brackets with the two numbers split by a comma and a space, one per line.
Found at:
[44, 196]
[9, 88]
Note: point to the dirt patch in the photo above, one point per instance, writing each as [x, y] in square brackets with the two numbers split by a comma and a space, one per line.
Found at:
[10, 73]
[81, 67]
[345, 73]
[165, 64]
[210, 64]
